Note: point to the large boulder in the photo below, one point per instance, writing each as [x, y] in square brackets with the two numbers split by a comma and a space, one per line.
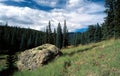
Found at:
[36, 57]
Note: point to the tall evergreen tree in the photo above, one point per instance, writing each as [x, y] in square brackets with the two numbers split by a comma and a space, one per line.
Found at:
[117, 18]
[83, 38]
[54, 37]
[29, 42]
[65, 35]
[109, 21]
[91, 31]
[97, 34]
[22, 42]
[1, 39]
[6, 24]
[36, 39]
[104, 31]
[13, 39]
[59, 36]
[75, 39]
[46, 35]
[49, 33]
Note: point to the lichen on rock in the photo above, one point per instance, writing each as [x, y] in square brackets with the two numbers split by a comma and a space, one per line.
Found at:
[36, 57]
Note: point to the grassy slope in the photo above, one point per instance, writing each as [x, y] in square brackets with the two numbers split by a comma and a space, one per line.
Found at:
[3, 62]
[98, 59]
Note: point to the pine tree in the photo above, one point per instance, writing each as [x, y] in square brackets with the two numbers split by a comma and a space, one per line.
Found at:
[59, 36]
[6, 24]
[29, 42]
[36, 39]
[97, 34]
[46, 35]
[83, 38]
[13, 39]
[104, 31]
[54, 37]
[22, 44]
[75, 39]
[91, 31]
[65, 35]
[117, 18]
[49, 33]
[109, 22]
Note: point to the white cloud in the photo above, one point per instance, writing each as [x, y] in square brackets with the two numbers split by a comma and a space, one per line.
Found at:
[18, 0]
[75, 3]
[12, 0]
[51, 3]
[77, 13]
[20, 16]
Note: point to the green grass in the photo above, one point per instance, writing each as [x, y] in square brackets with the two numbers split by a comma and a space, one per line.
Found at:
[3, 61]
[96, 59]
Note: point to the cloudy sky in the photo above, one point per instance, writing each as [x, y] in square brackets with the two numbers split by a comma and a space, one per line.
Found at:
[35, 14]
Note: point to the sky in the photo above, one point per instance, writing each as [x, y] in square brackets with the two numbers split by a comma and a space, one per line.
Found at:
[36, 14]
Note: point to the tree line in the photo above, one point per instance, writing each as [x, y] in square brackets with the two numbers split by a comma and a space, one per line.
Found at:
[58, 37]
[19, 39]
[16, 39]
[110, 28]
[92, 35]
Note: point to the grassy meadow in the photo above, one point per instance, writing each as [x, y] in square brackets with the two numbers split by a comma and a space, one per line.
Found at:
[96, 59]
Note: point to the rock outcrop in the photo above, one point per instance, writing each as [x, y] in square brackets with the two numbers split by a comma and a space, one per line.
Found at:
[36, 57]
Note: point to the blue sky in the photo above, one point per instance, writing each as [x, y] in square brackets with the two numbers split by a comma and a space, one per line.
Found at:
[35, 14]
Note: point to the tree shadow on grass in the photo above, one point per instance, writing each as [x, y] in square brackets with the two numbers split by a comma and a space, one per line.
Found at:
[78, 51]
[9, 71]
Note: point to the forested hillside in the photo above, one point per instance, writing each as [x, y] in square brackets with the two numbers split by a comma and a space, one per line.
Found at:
[18, 39]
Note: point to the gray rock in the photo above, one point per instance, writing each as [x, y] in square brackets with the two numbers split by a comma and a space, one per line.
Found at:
[36, 57]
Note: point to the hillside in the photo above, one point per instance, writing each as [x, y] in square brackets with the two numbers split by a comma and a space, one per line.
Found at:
[96, 59]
